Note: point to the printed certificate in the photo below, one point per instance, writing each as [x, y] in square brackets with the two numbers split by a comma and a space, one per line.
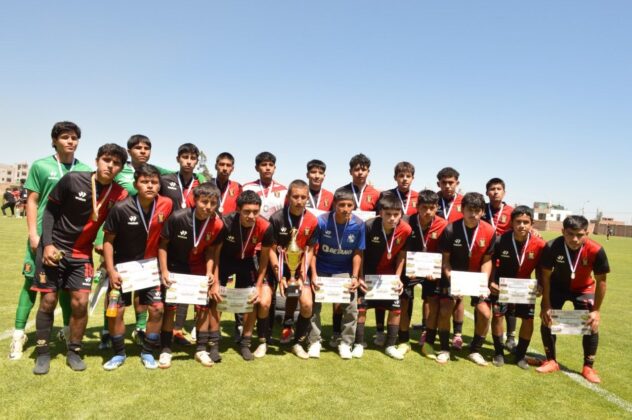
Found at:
[236, 300]
[423, 264]
[333, 290]
[138, 275]
[381, 287]
[187, 289]
[465, 283]
[569, 322]
[517, 290]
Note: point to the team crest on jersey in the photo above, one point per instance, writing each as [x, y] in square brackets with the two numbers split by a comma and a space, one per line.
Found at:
[326, 202]
[255, 240]
[585, 262]
[398, 241]
[110, 204]
[42, 277]
[277, 194]
[208, 237]
[531, 255]
[161, 217]
[458, 208]
[231, 192]
[53, 174]
[306, 231]
[351, 238]
[482, 243]
[414, 204]
[503, 218]
[433, 235]
[27, 268]
[369, 198]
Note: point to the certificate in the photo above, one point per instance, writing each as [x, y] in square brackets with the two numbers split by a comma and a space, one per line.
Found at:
[423, 264]
[236, 300]
[364, 215]
[333, 290]
[138, 275]
[517, 290]
[381, 287]
[187, 289]
[569, 322]
[465, 283]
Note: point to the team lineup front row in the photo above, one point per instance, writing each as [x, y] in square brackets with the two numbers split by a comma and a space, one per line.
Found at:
[240, 234]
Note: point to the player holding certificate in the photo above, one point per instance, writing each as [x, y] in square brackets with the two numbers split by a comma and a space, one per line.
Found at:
[189, 244]
[466, 245]
[568, 265]
[385, 253]
[516, 255]
[132, 232]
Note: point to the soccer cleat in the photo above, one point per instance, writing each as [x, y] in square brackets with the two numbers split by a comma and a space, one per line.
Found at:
[138, 336]
[180, 339]
[334, 341]
[17, 345]
[164, 361]
[148, 360]
[42, 364]
[358, 351]
[422, 338]
[344, 350]
[523, 364]
[74, 360]
[114, 362]
[477, 358]
[457, 342]
[261, 350]
[498, 360]
[204, 358]
[105, 340]
[549, 366]
[300, 352]
[214, 353]
[380, 339]
[510, 343]
[534, 361]
[394, 353]
[314, 350]
[403, 348]
[286, 335]
[591, 375]
[443, 357]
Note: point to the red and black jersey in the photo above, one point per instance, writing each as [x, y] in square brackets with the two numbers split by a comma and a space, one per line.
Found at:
[365, 200]
[235, 237]
[592, 259]
[376, 259]
[174, 187]
[132, 241]
[281, 224]
[431, 235]
[506, 258]
[228, 195]
[499, 218]
[450, 209]
[323, 199]
[455, 242]
[75, 230]
[409, 200]
[182, 255]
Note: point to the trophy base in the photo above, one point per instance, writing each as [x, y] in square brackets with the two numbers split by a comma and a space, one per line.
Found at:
[292, 291]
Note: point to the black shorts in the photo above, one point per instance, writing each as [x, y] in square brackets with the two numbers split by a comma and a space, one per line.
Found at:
[70, 274]
[243, 276]
[151, 296]
[579, 300]
[475, 300]
[430, 289]
[519, 310]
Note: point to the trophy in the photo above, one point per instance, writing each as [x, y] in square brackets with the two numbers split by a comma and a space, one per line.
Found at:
[293, 259]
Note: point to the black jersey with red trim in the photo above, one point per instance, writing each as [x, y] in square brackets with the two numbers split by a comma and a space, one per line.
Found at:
[592, 259]
[235, 237]
[506, 261]
[452, 208]
[228, 195]
[324, 199]
[282, 223]
[182, 256]
[75, 230]
[500, 220]
[367, 198]
[132, 242]
[454, 242]
[409, 200]
[431, 235]
[169, 187]
[376, 257]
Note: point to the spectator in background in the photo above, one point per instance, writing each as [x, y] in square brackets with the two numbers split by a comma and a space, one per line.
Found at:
[8, 202]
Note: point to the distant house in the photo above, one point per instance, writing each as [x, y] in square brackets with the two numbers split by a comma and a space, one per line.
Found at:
[548, 212]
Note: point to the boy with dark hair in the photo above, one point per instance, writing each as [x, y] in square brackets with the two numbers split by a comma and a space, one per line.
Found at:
[245, 231]
[319, 198]
[385, 254]
[466, 245]
[341, 244]
[364, 195]
[449, 199]
[271, 192]
[132, 233]
[43, 175]
[516, 255]
[229, 190]
[426, 229]
[189, 244]
[76, 209]
[404, 177]
[568, 265]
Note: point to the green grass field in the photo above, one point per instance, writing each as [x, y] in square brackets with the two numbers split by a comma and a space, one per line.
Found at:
[280, 385]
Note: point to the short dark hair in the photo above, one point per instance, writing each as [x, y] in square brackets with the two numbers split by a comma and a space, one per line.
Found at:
[448, 172]
[225, 155]
[404, 167]
[575, 222]
[114, 150]
[248, 197]
[473, 200]
[427, 197]
[315, 163]
[188, 148]
[342, 194]
[145, 169]
[360, 159]
[265, 157]
[520, 211]
[137, 139]
[390, 202]
[64, 127]
[494, 181]
[297, 183]
[206, 189]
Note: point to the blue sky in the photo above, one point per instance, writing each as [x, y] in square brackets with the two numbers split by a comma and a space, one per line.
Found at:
[538, 93]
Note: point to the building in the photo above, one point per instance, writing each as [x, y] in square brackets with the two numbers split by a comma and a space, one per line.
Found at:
[547, 216]
[10, 175]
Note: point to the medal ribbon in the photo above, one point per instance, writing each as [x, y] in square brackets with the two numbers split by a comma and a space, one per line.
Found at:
[467, 240]
[147, 224]
[97, 206]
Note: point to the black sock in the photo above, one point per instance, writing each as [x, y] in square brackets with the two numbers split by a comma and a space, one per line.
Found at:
[302, 329]
[262, 328]
[166, 340]
[181, 317]
[288, 321]
[391, 335]
[498, 344]
[521, 349]
[476, 344]
[337, 324]
[511, 325]
[203, 337]
[548, 340]
[431, 336]
[379, 320]
[444, 338]
[239, 320]
[214, 337]
[74, 347]
[271, 316]
[590, 343]
[410, 308]
[43, 325]
[151, 343]
[404, 336]
[457, 327]
[118, 344]
[359, 337]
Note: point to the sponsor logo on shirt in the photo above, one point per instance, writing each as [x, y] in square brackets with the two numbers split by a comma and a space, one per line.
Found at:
[457, 242]
[133, 221]
[230, 238]
[183, 234]
[560, 259]
[81, 196]
[336, 251]
[327, 234]
[351, 238]
[505, 254]
[172, 185]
